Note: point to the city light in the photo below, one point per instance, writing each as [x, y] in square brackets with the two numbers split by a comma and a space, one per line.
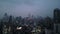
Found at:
[18, 28]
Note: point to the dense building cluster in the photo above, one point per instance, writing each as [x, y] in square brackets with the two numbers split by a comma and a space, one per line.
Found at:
[30, 24]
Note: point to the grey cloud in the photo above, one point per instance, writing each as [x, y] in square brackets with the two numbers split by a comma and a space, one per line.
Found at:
[36, 7]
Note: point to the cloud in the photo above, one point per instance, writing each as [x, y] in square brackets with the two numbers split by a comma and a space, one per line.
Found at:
[23, 7]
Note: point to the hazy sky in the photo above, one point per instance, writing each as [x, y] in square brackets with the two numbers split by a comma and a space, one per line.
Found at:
[24, 7]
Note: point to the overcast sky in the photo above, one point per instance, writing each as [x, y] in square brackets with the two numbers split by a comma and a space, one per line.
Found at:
[24, 7]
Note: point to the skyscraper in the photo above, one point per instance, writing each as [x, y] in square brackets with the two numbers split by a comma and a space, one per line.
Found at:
[57, 15]
[57, 20]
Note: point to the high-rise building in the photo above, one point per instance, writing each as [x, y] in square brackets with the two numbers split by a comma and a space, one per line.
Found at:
[57, 15]
[57, 20]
